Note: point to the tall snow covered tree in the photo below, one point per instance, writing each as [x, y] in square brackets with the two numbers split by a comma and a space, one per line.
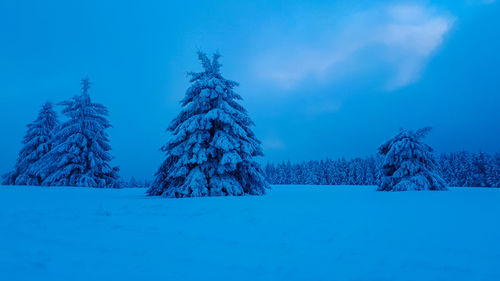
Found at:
[409, 163]
[37, 143]
[80, 155]
[211, 149]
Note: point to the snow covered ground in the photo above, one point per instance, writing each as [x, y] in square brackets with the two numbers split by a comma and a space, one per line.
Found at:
[293, 233]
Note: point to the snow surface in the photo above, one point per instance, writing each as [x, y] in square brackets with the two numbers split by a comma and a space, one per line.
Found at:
[292, 233]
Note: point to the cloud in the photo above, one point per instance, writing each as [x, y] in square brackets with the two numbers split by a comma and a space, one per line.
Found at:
[400, 37]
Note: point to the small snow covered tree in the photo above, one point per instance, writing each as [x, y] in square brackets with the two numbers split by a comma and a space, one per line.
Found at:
[495, 176]
[480, 165]
[37, 143]
[133, 182]
[211, 149]
[409, 163]
[80, 155]
[270, 172]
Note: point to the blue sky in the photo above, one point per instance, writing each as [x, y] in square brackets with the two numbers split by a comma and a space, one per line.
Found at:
[319, 78]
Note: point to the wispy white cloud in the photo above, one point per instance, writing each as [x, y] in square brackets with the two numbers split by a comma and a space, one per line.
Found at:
[401, 37]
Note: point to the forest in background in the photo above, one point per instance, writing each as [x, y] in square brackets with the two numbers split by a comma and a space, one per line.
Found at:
[460, 169]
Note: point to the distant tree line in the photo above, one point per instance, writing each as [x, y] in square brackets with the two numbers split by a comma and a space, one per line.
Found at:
[470, 169]
[357, 171]
[460, 169]
[133, 182]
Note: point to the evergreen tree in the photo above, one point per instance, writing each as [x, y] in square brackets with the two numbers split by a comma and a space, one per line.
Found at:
[343, 168]
[327, 171]
[37, 142]
[147, 183]
[211, 149]
[288, 172]
[311, 177]
[371, 173]
[466, 168]
[281, 176]
[495, 177]
[297, 174]
[480, 169]
[409, 163]
[80, 155]
[445, 165]
[321, 172]
[270, 172]
[133, 182]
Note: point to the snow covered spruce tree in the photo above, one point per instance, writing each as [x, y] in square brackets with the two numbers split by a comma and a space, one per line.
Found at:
[409, 163]
[211, 149]
[80, 155]
[37, 143]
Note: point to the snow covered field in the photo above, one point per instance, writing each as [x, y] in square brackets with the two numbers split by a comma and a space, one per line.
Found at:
[293, 233]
